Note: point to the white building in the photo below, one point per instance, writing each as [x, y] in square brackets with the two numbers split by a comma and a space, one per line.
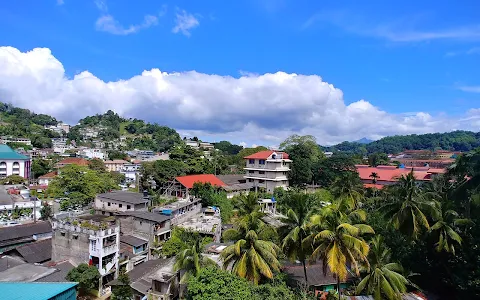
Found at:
[267, 169]
[91, 153]
[8, 139]
[60, 145]
[115, 165]
[47, 178]
[92, 239]
[13, 163]
[131, 172]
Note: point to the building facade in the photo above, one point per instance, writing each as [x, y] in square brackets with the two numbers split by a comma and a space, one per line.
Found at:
[13, 163]
[115, 165]
[121, 201]
[267, 169]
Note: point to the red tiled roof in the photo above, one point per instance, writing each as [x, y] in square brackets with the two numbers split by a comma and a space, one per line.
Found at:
[48, 175]
[390, 173]
[74, 161]
[265, 154]
[189, 180]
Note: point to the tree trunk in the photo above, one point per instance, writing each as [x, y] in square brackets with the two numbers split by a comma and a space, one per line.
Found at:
[305, 272]
[338, 288]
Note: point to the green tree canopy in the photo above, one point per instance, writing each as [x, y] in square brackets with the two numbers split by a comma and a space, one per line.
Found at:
[86, 276]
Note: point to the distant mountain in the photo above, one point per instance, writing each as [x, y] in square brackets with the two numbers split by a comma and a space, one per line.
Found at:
[453, 141]
[363, 141]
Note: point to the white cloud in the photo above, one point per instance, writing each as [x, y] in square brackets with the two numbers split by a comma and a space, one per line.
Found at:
[108, 24]
[60, 2]
[256, 109]
[469, 88]
[184, 22]
[471, 51]
[400, 30]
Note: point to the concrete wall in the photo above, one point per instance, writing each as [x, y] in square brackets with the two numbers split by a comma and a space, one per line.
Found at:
[67, 247]
[117, 206]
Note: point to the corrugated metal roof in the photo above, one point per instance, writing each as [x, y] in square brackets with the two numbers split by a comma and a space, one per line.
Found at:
[8, 153]
[33, 291]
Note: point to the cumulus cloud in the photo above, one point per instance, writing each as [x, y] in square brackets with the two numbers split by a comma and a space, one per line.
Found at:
[261, 109]
[184, 22]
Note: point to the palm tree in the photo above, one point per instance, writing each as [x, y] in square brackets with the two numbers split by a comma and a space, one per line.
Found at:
[349, 189]
[409, 208]
[374, 177]
[252, 258]
[444, 229]
[338, 243]
[295, 230]
[383, 278]
[191, 260]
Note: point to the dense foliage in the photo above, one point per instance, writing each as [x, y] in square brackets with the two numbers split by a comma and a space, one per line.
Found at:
[86, 276]
[454, 141]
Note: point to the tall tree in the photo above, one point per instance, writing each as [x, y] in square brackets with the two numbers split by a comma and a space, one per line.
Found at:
[252, 258]
[349, 189]
[374, 177]
[338, 242]
[296, 231]
[191, 261]
[382, 277]
[408, 208]
[87, 277]
[122, 291]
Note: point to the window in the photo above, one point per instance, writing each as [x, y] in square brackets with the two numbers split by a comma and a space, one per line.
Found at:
[251, 161]
[120, 205]
[261, 172]
[75, 237]
[62, 233]
[261, 181]
[261, 161]
[251, 172]
[128, 206]
[108, 203]
[250, 180]
[141, 223]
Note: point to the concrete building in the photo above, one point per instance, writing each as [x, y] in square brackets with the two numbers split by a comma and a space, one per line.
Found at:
[153, 227]
[13, 163]
[207, 223]
[59, 145]
[92, 239]
[267, 169]
[47, 178]
[9, 139]
[131, 172]
[92, 153]
[121, 201]
[181, 210]
[115, 165]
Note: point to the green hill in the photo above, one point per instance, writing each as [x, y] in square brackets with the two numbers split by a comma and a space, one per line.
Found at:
[454, 141]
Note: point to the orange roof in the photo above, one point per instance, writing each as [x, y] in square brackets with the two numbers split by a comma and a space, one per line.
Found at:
[74, 161]
[189, 180]
[390, 173]
[371, 185]
[49, 175]
[265, 154]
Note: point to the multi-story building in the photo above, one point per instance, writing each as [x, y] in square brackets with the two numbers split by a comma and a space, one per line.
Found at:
[13, 163]
[121, 201]
[60, 145]
[9, 139]
[92, 239]
[91, 153]
[115, 165]
[267, 169]
[181, 210]
[131, 172]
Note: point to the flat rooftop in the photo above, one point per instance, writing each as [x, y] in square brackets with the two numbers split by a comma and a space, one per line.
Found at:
[178, 204]
[202, 223]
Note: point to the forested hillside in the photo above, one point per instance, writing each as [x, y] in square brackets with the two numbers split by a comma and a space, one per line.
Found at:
[454, 141]
[19, 122]
[140, 134]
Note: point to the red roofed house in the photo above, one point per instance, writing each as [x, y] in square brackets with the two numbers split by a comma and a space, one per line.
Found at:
[387, 175]
[181, 185]
[267, 169]
[45, 179]
[72, 161]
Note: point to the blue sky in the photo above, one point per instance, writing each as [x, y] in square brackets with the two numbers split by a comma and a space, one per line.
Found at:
[414, 63]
